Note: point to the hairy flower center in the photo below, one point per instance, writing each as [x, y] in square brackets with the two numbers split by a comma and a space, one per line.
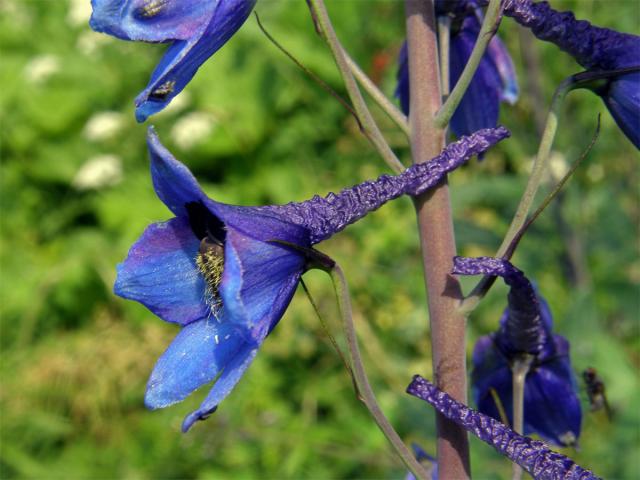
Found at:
[151, 8]
[210, 262]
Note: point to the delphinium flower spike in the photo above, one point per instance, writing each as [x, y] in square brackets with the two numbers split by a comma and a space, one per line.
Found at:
[533, 456]
[494, 81]
[226, 273]
[596, 49]
[196, 28]
[551, 404]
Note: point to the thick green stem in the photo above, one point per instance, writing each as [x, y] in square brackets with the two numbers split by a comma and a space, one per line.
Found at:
[519, 370]
[488, 29]
[437, 238]
[369, 126]
[376, 94]
[365, 392]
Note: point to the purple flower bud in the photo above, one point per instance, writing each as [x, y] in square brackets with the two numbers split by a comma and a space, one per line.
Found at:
[494, 81]
[195, 28]
[596, 49]
[227, 273]
[534, 457]
[551, 404]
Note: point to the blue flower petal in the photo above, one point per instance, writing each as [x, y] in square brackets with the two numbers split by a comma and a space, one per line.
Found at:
[160, 272]
[258, 300]
[151, 20]
[174, 184]
[499, 56]
[184, 57]
[623, 101]
[195, 357]
[231, 375]
[551, 404]
[402, 88]
[480, 105]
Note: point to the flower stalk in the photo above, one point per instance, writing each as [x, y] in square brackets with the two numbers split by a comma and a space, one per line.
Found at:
[369, 126]
[436, 236]
[526, 201]
[364, 390]
[519, 371]
[393, 112]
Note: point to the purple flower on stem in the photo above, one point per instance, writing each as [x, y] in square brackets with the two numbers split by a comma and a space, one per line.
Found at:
[551, 404]
[196, 28]
[494, 81]
[533, 456]
[227, 273]
[596, 49]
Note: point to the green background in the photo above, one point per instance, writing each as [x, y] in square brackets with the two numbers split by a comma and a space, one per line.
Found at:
[255, 130]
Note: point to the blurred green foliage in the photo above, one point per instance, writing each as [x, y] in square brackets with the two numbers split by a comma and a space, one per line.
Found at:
[256, 130]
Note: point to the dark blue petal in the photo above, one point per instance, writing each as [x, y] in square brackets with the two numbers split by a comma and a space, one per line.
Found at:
[490, 371]
[174, 184]
[184, 57]
[402, 88]
[160, 272]
[195, 357]
[231, 375]
[151, 20]
[480, 105]
[551, 404]
[623, 101]
[258, 282]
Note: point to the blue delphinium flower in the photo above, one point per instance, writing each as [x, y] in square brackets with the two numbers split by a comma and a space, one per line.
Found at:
[596, 49]
[551, 404]
[227, 273]
[494, 81]
[534, 457]
[196, 28]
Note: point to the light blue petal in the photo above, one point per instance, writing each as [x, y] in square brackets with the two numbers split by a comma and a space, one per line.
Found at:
[160, 272]
[231, 375]
[151, 20]
[196, 356]
[501, 59]
[184, 57]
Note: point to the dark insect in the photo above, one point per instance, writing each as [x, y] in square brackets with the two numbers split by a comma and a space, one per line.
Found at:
[596, 391]
[163, 90]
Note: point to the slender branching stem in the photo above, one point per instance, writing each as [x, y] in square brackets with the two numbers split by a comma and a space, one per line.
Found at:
[437, 237]
[535, 179]
[376, 94]
[488, 29]
[369, 126]
[444, 40]
[519, 370]
[364, 390]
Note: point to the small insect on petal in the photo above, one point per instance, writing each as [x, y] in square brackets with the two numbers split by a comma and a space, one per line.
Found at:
[163, 90]
[151, 8]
